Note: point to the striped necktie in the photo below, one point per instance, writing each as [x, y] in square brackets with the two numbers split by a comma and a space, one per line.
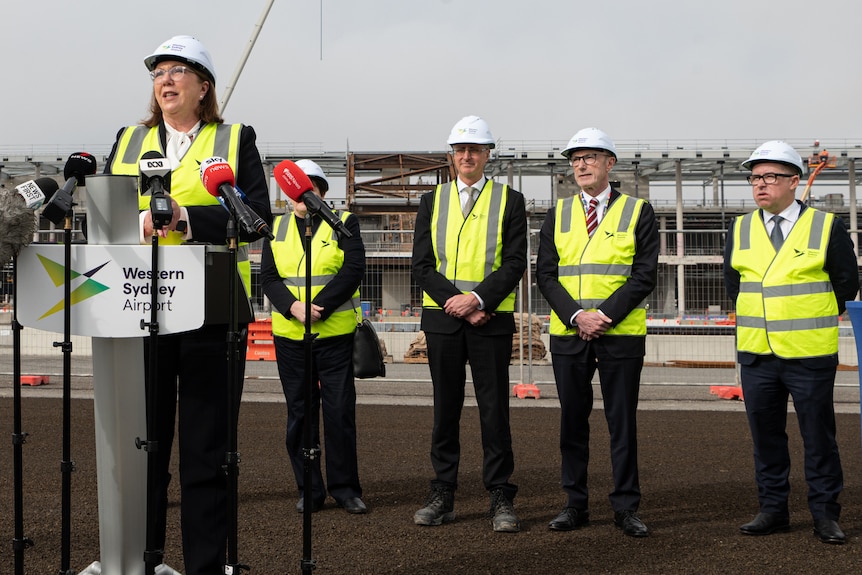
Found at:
[592, 216]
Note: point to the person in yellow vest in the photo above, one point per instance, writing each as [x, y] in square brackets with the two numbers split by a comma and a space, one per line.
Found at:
[185, 126]
[338, 266]
[469, 253]
[790, 269]
[597, 263]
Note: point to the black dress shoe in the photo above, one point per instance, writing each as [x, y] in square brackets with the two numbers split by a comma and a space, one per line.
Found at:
[570, 518]
[315, 506]
[353, 505]
[766, 524]
[829, 532]
[630, 523]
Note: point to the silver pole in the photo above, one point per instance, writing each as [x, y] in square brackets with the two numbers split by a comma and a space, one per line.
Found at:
[254, 34]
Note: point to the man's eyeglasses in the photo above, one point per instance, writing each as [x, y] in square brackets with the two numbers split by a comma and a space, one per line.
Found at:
[588, 159]
[463, 150]
[175, 73]
[768, 179]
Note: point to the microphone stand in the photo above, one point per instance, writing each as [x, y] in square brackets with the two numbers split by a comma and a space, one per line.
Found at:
[310, 452]
[19, 543]
[231, 466]
[66, 465]
[153, 557]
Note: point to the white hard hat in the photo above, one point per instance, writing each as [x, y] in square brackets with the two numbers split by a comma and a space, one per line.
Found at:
[775, 151]
[312, 170]
[591, 139]
[471, 130]
[185, 49]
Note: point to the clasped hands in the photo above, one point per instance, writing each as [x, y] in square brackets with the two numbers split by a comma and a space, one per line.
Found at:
[592, 324]
[465, 306]
[297, 310]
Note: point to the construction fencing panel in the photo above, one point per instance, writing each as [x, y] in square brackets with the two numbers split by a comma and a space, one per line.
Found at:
[691, 321]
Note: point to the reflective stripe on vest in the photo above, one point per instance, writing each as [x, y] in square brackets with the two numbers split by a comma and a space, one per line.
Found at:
[327, 258]
[592, 268]
[786, 305]
[186, 187]
[467, 250]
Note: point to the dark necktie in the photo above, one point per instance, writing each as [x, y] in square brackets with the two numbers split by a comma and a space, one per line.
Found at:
[592, 216]
[776, 236]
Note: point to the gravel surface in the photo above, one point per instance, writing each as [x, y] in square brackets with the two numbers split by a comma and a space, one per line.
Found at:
[696, 475]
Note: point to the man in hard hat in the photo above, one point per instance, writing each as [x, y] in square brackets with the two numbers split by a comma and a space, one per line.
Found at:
[469, 252]
[597, 261]
[790, 269]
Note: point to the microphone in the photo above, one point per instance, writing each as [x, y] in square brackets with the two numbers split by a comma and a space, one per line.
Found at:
[78, 166]
[217, 177]
[298, 187]
[155, 173]
[17, 214]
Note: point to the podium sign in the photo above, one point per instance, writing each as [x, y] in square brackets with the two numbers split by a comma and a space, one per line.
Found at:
[110, 291]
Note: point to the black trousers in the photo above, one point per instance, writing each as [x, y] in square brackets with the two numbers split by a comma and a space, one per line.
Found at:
[489, 358]
[766, 385]
[193, 380]
[335, 390]
[620, 385]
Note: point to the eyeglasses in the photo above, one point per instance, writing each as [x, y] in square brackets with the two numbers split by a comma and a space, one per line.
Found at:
[768, 179]
[174, 73]
[588, 159]
[472, 150]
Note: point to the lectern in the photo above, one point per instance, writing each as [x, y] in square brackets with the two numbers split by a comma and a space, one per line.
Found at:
[110, 299]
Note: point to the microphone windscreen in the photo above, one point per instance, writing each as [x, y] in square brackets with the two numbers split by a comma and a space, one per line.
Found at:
[292, 180]
[78, 166]
[215, 172]
[17, 224]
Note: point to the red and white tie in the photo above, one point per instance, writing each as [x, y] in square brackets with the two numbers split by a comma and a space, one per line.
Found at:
[592, 216]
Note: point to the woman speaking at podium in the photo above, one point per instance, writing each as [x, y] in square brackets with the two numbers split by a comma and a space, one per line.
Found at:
[184, 126]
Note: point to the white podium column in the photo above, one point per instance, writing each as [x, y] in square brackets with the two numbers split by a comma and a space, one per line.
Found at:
[119, 396]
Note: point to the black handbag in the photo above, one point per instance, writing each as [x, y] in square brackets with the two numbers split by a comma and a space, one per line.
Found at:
[367, 355]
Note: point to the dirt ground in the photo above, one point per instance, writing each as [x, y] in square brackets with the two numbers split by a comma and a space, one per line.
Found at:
[696, 475]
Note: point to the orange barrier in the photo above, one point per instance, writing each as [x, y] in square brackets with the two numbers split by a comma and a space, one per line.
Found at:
[34, 379]
[726, 391]
[522, 390]
[261, 346]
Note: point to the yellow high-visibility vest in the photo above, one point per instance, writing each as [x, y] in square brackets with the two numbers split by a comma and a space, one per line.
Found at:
[786, 306]
[592, 268]
[467, 250]
[220, 140]
[327, 258]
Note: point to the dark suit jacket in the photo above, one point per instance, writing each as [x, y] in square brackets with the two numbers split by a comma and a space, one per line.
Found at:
[493, 289]
[840, 264]
[619, 304]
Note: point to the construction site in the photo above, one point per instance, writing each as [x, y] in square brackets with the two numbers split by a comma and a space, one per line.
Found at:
[696, 189]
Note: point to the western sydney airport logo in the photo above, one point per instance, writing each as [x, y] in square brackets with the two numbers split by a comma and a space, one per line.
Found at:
[137, 284]
[85, 289]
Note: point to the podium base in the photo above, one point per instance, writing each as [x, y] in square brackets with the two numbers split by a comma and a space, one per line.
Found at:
[95, 568]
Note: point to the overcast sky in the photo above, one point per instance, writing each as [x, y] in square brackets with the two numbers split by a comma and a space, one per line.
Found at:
[397, 74]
